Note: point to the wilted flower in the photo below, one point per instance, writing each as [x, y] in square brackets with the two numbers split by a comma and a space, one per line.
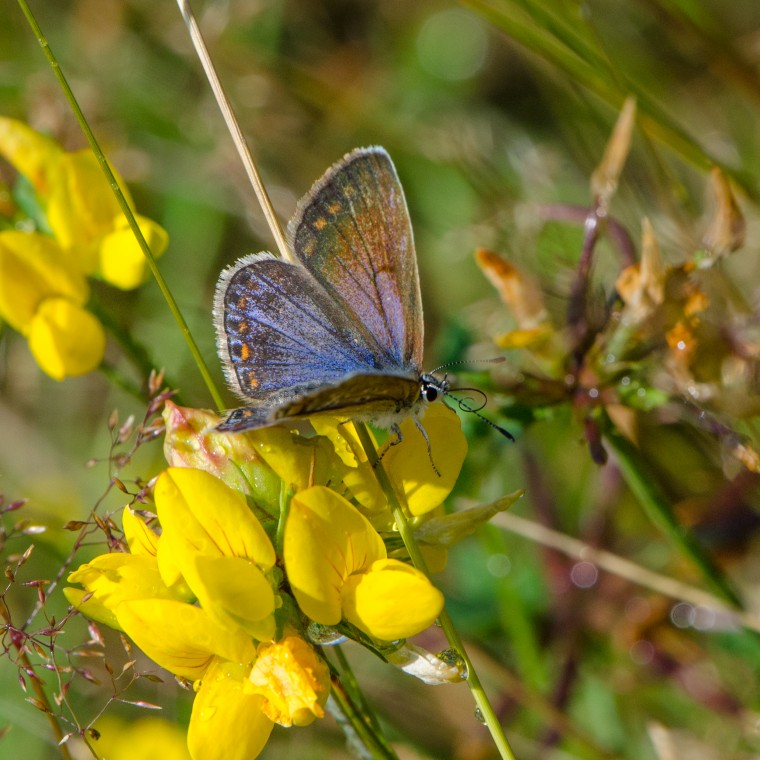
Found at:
[293, 681]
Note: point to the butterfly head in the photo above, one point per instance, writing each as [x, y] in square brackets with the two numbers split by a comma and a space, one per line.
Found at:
[431, 388]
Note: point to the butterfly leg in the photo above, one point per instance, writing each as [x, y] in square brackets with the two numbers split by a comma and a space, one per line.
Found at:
[427, 441]
[396, 430]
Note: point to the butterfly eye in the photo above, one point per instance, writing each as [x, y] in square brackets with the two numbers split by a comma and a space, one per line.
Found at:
[429, 392]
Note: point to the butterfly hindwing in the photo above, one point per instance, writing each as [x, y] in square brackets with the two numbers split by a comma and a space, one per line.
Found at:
[360, 397]
[279, 333]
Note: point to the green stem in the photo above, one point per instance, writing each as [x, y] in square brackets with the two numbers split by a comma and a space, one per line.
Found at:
[353, 688]
[643, 484]
[286, 494]
[452, 635]
[123, 203]
[363, 730]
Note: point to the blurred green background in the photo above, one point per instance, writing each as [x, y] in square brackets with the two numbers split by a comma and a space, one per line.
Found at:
[489, 110]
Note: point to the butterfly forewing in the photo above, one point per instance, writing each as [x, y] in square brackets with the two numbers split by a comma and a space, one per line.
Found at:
[352, 232]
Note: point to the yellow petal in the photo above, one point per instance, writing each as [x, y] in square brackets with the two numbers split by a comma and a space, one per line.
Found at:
[140, 538]
[201, 515]
[180, 637]
[535, 338]
[359, 476]
[391, 601]
[235, 593]
[32, 154]
[81, 206]
[122, 262]
[408, 463]
[326, 539]
[113, 579]
[32, 268]
[299, 462]
[293, 679]
[65, 339]
[91, 608]
[227, 723]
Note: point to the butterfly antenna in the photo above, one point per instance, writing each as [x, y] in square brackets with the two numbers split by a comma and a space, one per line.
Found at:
[495, 360]
[465, 407]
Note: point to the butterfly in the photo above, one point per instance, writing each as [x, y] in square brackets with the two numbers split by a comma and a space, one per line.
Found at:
[340, 331]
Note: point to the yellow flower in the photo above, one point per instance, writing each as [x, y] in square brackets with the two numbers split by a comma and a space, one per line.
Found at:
[82, 211]
[111, 579]
[141, 739]
[213, 540]
[43, 289]
[227, 722]
[337, 568]
[293, 680]
[86, 219]
[43, 297]
[224, 643]
[408, 463]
